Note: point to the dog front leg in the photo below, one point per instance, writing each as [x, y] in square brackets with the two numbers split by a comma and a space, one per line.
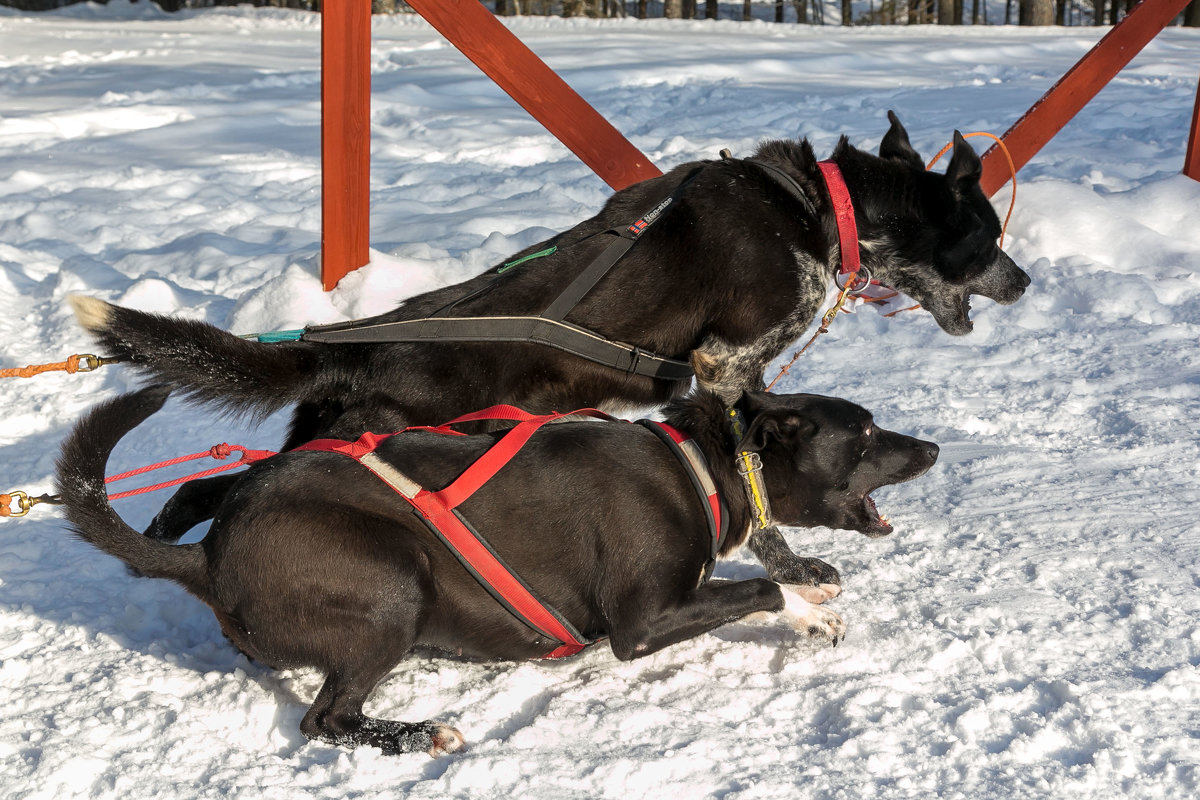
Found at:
[813, 578]
[643, 627]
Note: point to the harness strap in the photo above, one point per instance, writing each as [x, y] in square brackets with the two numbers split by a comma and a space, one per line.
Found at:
[696, 467]
[539, 330]
[437, 511]
[787, 182]
[548, 328]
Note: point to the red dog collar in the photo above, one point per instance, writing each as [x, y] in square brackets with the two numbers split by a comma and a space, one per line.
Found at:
[843, 209]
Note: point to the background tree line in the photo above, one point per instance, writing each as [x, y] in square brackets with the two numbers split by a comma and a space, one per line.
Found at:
[869, 12]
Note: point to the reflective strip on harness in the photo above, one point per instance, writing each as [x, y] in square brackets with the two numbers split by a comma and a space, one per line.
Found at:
[689, 455]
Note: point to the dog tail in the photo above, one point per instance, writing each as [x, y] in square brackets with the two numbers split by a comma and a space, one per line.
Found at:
[201, 361]
[80, 479]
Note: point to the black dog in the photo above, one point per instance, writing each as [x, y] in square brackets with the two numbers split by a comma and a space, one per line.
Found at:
[732, 272]
[599, 518]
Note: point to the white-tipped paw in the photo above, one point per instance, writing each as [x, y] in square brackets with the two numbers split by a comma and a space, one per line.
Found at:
[446, 740]
[814, 594]
[809, 618]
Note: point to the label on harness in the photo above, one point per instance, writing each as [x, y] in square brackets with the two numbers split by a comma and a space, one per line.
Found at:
[646, 221]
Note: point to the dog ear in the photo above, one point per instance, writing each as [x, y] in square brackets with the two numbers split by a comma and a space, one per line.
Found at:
[782, 424]
[965, 167]
[896, 147]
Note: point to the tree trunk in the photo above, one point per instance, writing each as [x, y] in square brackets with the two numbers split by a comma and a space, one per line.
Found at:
[848, 12]
[945, 12]
[1191, 14]
[1036, 12]
[673, 9]
[711, 9]
[746, 15]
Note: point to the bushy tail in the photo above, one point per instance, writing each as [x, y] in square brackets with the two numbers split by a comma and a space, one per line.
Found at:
[199, 360]
[80, 479]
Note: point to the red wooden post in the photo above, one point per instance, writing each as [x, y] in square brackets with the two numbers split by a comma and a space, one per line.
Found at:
[1191, 162]
[475, 31]
[345, 137]
[1081, 83]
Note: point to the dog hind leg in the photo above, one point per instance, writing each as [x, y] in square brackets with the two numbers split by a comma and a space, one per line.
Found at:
[195, 502]
[336, 717]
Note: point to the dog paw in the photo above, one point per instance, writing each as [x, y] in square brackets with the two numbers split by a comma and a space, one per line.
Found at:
[816, 594]
[445, 740]
[811, 619]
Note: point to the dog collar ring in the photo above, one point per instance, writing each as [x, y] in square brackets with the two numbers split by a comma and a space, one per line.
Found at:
[862, 279]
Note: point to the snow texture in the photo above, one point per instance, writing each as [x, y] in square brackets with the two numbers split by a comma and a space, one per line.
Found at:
[1031, 629]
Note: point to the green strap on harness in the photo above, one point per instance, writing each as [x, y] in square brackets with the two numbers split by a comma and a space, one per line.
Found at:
[279, 336]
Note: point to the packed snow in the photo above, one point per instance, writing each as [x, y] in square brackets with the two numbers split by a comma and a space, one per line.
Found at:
[1031, 629]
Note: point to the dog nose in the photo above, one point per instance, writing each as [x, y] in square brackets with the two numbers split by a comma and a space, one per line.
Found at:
[1025, 279]
[932, 451]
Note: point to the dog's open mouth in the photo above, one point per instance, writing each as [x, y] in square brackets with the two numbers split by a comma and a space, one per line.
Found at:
[877, 524]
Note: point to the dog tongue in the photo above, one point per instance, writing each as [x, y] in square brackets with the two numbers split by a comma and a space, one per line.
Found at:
[883, 522]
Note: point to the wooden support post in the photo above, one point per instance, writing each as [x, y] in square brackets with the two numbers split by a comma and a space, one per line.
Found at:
[482, 38]
[1191, 162]
[1081, 83]
[345, 137]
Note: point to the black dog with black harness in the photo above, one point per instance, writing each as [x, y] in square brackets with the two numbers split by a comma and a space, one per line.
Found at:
[609, 529]
[717, 266]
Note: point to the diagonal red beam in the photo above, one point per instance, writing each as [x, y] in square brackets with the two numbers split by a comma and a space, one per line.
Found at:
[475, 31]
[1073, 91]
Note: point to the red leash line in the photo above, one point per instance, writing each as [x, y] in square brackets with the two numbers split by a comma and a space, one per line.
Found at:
[220, 452]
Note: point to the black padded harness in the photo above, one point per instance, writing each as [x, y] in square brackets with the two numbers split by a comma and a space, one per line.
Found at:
[548, 328]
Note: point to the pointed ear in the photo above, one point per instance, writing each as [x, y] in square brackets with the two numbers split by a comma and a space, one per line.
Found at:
[784, 425]
[896, 147]
[965, 166]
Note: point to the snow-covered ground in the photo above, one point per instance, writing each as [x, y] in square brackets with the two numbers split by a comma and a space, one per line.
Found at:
[1032, 629]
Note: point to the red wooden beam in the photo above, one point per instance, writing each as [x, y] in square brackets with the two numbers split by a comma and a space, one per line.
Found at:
[1191, 162]
[475, 31]
[1081, 83]
[345, 137]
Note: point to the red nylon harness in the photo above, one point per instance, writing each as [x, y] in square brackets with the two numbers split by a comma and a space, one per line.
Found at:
[438, 509]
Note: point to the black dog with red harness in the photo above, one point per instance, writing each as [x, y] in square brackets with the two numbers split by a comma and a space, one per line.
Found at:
[608, 528]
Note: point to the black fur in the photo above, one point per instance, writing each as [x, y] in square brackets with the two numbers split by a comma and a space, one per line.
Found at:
[729, 276]
[598, 517]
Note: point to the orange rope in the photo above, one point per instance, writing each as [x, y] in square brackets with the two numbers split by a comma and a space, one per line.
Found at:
[85, 362]
[831, 314]
[1012, 168]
